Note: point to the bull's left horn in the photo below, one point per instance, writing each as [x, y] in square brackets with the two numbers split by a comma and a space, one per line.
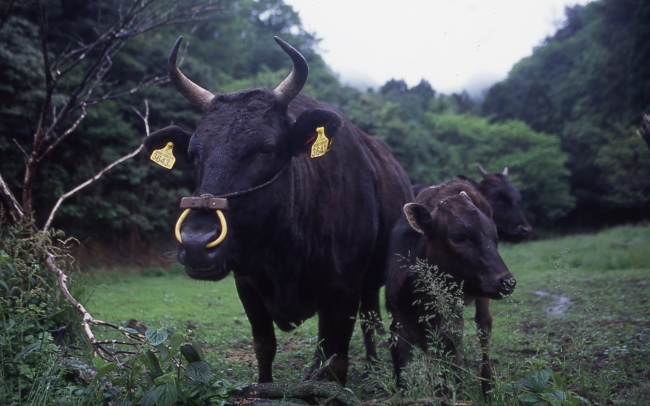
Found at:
[505, 172]
[194, 93]
[292, 85]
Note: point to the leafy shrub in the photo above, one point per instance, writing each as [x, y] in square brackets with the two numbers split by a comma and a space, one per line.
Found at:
[32, 314]
[163, 371]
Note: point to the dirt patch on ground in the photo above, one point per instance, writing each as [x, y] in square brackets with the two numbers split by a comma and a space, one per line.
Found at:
[95, 253]
[241, 357]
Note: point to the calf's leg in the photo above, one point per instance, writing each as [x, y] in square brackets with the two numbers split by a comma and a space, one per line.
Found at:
[370, 319]
[483, 319]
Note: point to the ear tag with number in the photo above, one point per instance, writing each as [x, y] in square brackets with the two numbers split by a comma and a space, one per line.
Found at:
[321, 145]
[164, 157]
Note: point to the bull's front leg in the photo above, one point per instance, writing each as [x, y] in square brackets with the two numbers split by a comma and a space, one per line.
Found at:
[336, 320]
[483, 319]
[264, 341]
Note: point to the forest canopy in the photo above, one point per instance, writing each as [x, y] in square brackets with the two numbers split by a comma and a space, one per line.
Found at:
[563, 121]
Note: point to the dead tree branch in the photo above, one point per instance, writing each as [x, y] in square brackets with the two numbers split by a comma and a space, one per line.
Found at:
[644, 132]
[134, 17]
[99, 174]
[14, 208]
[267, 393]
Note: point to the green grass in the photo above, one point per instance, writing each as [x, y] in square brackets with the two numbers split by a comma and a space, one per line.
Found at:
[599, 344]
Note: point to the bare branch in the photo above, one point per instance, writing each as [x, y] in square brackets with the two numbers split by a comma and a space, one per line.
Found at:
[151, 82]
[99, 174]
[145, 117]
[88, 182]
[65, 134]
[13, 206]
[87, 318]
[25, 155]
[644, 132]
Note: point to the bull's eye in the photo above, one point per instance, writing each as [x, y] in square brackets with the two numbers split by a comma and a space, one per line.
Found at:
[267, 149]
[458, 238]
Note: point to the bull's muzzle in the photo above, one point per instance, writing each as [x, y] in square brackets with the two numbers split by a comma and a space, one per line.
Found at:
[204, 202]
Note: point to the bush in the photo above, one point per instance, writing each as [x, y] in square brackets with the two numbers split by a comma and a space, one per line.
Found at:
[36, 319]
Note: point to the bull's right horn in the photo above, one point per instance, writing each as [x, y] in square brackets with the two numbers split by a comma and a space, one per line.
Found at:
[194, 93]
[480, 169]
[292, 85]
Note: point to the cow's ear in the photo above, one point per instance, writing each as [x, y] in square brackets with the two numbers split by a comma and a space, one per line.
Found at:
[304, 132]
[419, 218]
[180, 140]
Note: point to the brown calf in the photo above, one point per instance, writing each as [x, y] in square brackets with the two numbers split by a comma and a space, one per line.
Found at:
[450, 227]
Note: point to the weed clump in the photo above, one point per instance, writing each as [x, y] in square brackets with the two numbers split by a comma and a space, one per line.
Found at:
[37, 323]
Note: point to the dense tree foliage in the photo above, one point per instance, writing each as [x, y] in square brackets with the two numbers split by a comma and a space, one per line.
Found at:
[588, 84]
[562, 121]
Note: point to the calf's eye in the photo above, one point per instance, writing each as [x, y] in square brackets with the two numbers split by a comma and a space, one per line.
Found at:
[458, 238]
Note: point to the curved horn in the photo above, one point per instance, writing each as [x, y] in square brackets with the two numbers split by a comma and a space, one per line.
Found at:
[505, 172]
[292, 85]
[194, 93]
[480, 169]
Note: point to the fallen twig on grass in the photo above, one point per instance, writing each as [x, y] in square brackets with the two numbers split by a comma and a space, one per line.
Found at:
[271, 393]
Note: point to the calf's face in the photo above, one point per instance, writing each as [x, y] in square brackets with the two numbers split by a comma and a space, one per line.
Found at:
[462, 242]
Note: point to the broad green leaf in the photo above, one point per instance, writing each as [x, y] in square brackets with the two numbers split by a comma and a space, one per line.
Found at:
[156, 336]
[177, 340]
[190, 353]
[153, 364]
[169, 377]
[538, 380]
[148, 399]
[106, 368]
[166, 395]
[528, 398]
[200, 371]
[560, 394]
[163, 352]
[198, 350]
[27, 350]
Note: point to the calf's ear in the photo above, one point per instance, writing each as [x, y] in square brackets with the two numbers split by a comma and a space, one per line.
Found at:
[419, 218]
[303, 132]
[180, 140]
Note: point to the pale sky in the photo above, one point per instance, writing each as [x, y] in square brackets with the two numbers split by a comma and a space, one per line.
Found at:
[454, 45]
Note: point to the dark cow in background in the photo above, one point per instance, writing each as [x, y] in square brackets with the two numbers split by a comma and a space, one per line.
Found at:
[305, 235]
[449, 225]
[505, 201]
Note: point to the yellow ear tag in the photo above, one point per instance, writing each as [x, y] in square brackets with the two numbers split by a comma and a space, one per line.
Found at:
[321, 145]
[164, 157]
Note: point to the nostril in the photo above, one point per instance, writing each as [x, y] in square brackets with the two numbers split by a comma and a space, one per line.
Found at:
[523, 230]
[509, 283]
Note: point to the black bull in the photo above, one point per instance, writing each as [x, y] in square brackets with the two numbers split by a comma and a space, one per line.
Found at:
[305, 235]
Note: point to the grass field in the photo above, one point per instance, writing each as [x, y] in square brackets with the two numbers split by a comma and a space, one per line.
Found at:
[581, 310]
